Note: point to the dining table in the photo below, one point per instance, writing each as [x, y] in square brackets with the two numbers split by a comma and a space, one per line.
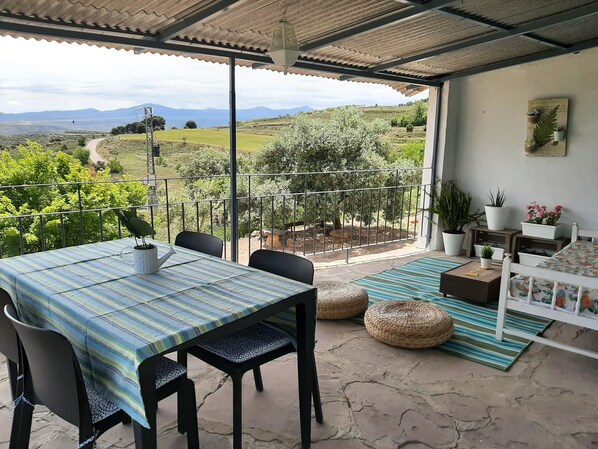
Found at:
[120, 322]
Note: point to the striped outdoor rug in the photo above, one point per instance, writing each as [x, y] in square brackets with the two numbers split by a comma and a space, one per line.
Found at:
[474, 324]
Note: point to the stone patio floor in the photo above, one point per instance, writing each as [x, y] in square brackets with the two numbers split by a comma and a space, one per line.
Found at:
[378, 396]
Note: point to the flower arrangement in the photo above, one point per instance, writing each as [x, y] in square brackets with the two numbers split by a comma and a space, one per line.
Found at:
[541, 215]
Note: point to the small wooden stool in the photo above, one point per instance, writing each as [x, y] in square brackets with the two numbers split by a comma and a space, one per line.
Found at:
[408, 324]
[338, 300]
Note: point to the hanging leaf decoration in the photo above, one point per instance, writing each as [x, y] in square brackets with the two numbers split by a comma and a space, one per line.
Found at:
[543, 130]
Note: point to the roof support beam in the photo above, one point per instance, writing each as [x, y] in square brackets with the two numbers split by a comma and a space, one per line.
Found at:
[376, 24]
[176, 45]
[178, 27]
[493, 37]
[521, 60]
[500, 27]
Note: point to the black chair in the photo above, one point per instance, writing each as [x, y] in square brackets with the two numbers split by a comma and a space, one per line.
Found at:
[204, 243]
[249, 348]
[52, 376]
[9, 344]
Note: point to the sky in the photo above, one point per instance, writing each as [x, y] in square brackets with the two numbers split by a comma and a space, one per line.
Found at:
[47, 76]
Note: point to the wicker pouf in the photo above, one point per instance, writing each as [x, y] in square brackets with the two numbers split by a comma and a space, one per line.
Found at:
[338, 300]
[408, 324]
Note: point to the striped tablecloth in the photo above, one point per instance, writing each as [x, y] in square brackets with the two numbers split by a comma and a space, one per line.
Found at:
[116, 319]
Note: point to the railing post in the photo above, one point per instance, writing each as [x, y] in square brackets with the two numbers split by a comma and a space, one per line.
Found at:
[81, 227]
[167, 208]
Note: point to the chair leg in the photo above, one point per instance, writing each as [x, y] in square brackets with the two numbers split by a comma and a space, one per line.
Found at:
[181, 404]
[237, 411]
[191, 415]
[257, 378]
[13, 372]
[21, 426]
[315, 390]
[86, 443]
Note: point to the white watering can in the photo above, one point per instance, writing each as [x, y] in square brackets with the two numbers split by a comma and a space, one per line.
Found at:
[145, 260]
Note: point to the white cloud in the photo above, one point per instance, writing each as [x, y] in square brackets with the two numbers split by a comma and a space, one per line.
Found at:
[40, 76]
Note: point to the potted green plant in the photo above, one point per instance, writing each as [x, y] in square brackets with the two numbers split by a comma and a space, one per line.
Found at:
[496, 212]
[145, 255]
[486, 257]
[453, 207]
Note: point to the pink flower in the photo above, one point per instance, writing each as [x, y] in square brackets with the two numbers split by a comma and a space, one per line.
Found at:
[541, 215]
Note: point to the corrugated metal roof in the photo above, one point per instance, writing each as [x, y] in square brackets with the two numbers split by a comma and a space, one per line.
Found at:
[397, 42]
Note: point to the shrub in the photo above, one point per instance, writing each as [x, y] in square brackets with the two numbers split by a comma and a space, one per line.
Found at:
[115, 166]
[99, 165]
[394, 122]
[82, 155]
[409, 127]
[81, 141]
[190, 124]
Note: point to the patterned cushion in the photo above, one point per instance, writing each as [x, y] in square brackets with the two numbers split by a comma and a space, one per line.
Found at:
[247, 343]
[167, 371]
[100, 407]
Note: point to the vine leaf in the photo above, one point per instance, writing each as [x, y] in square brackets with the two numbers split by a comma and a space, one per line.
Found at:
[543, 131]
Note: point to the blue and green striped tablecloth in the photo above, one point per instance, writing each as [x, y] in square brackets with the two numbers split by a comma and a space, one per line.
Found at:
[116, 319]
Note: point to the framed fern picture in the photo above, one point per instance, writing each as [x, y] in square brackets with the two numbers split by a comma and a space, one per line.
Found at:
[552, 117]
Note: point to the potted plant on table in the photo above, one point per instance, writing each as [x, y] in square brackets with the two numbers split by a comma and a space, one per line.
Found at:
[486, 257]
[542, 222]
[453, 207]
[496, 213]
[145, 255]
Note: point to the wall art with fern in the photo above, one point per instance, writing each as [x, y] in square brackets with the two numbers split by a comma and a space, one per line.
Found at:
[544, 118]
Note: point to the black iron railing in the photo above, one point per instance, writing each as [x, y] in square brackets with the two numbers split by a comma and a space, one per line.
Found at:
[305, 213]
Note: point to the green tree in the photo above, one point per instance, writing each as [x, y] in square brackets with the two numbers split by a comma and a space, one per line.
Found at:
[159, 122]
[191, 124]
[344, 142]
[420, 115]
[53, 218]
[82, 155]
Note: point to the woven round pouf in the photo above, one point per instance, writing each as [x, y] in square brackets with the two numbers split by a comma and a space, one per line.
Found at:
[408, 324]
[339, 300]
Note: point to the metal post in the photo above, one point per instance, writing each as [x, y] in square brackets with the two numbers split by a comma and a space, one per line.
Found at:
[234, 212]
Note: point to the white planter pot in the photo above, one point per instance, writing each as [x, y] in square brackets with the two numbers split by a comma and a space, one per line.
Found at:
[540, 230]
[486, 263]
[499, 253]
[496, 217]
[453, 243]
[531, 259]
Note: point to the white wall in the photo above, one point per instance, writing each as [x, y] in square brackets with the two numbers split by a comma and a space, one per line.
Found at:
[486, 129]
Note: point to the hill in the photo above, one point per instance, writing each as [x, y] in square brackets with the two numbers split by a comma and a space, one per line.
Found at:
[95, 120]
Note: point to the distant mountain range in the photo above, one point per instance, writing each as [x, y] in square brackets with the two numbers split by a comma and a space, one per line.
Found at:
[94, 120]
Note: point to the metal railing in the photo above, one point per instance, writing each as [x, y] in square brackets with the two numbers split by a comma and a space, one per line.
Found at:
[305, 213]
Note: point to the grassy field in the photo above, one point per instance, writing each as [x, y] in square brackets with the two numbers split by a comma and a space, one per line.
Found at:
[179, 144]
[217, 137]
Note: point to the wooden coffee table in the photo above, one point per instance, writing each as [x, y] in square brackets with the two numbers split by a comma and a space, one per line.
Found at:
[472, 282]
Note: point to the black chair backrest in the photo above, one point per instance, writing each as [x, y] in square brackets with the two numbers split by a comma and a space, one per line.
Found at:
[286, 265]
[52, 371]
[9, 342]
[197, 241]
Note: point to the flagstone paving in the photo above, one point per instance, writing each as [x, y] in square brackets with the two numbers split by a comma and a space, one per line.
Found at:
[378, 396]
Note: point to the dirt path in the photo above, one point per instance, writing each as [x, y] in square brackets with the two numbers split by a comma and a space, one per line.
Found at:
[93, 154]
